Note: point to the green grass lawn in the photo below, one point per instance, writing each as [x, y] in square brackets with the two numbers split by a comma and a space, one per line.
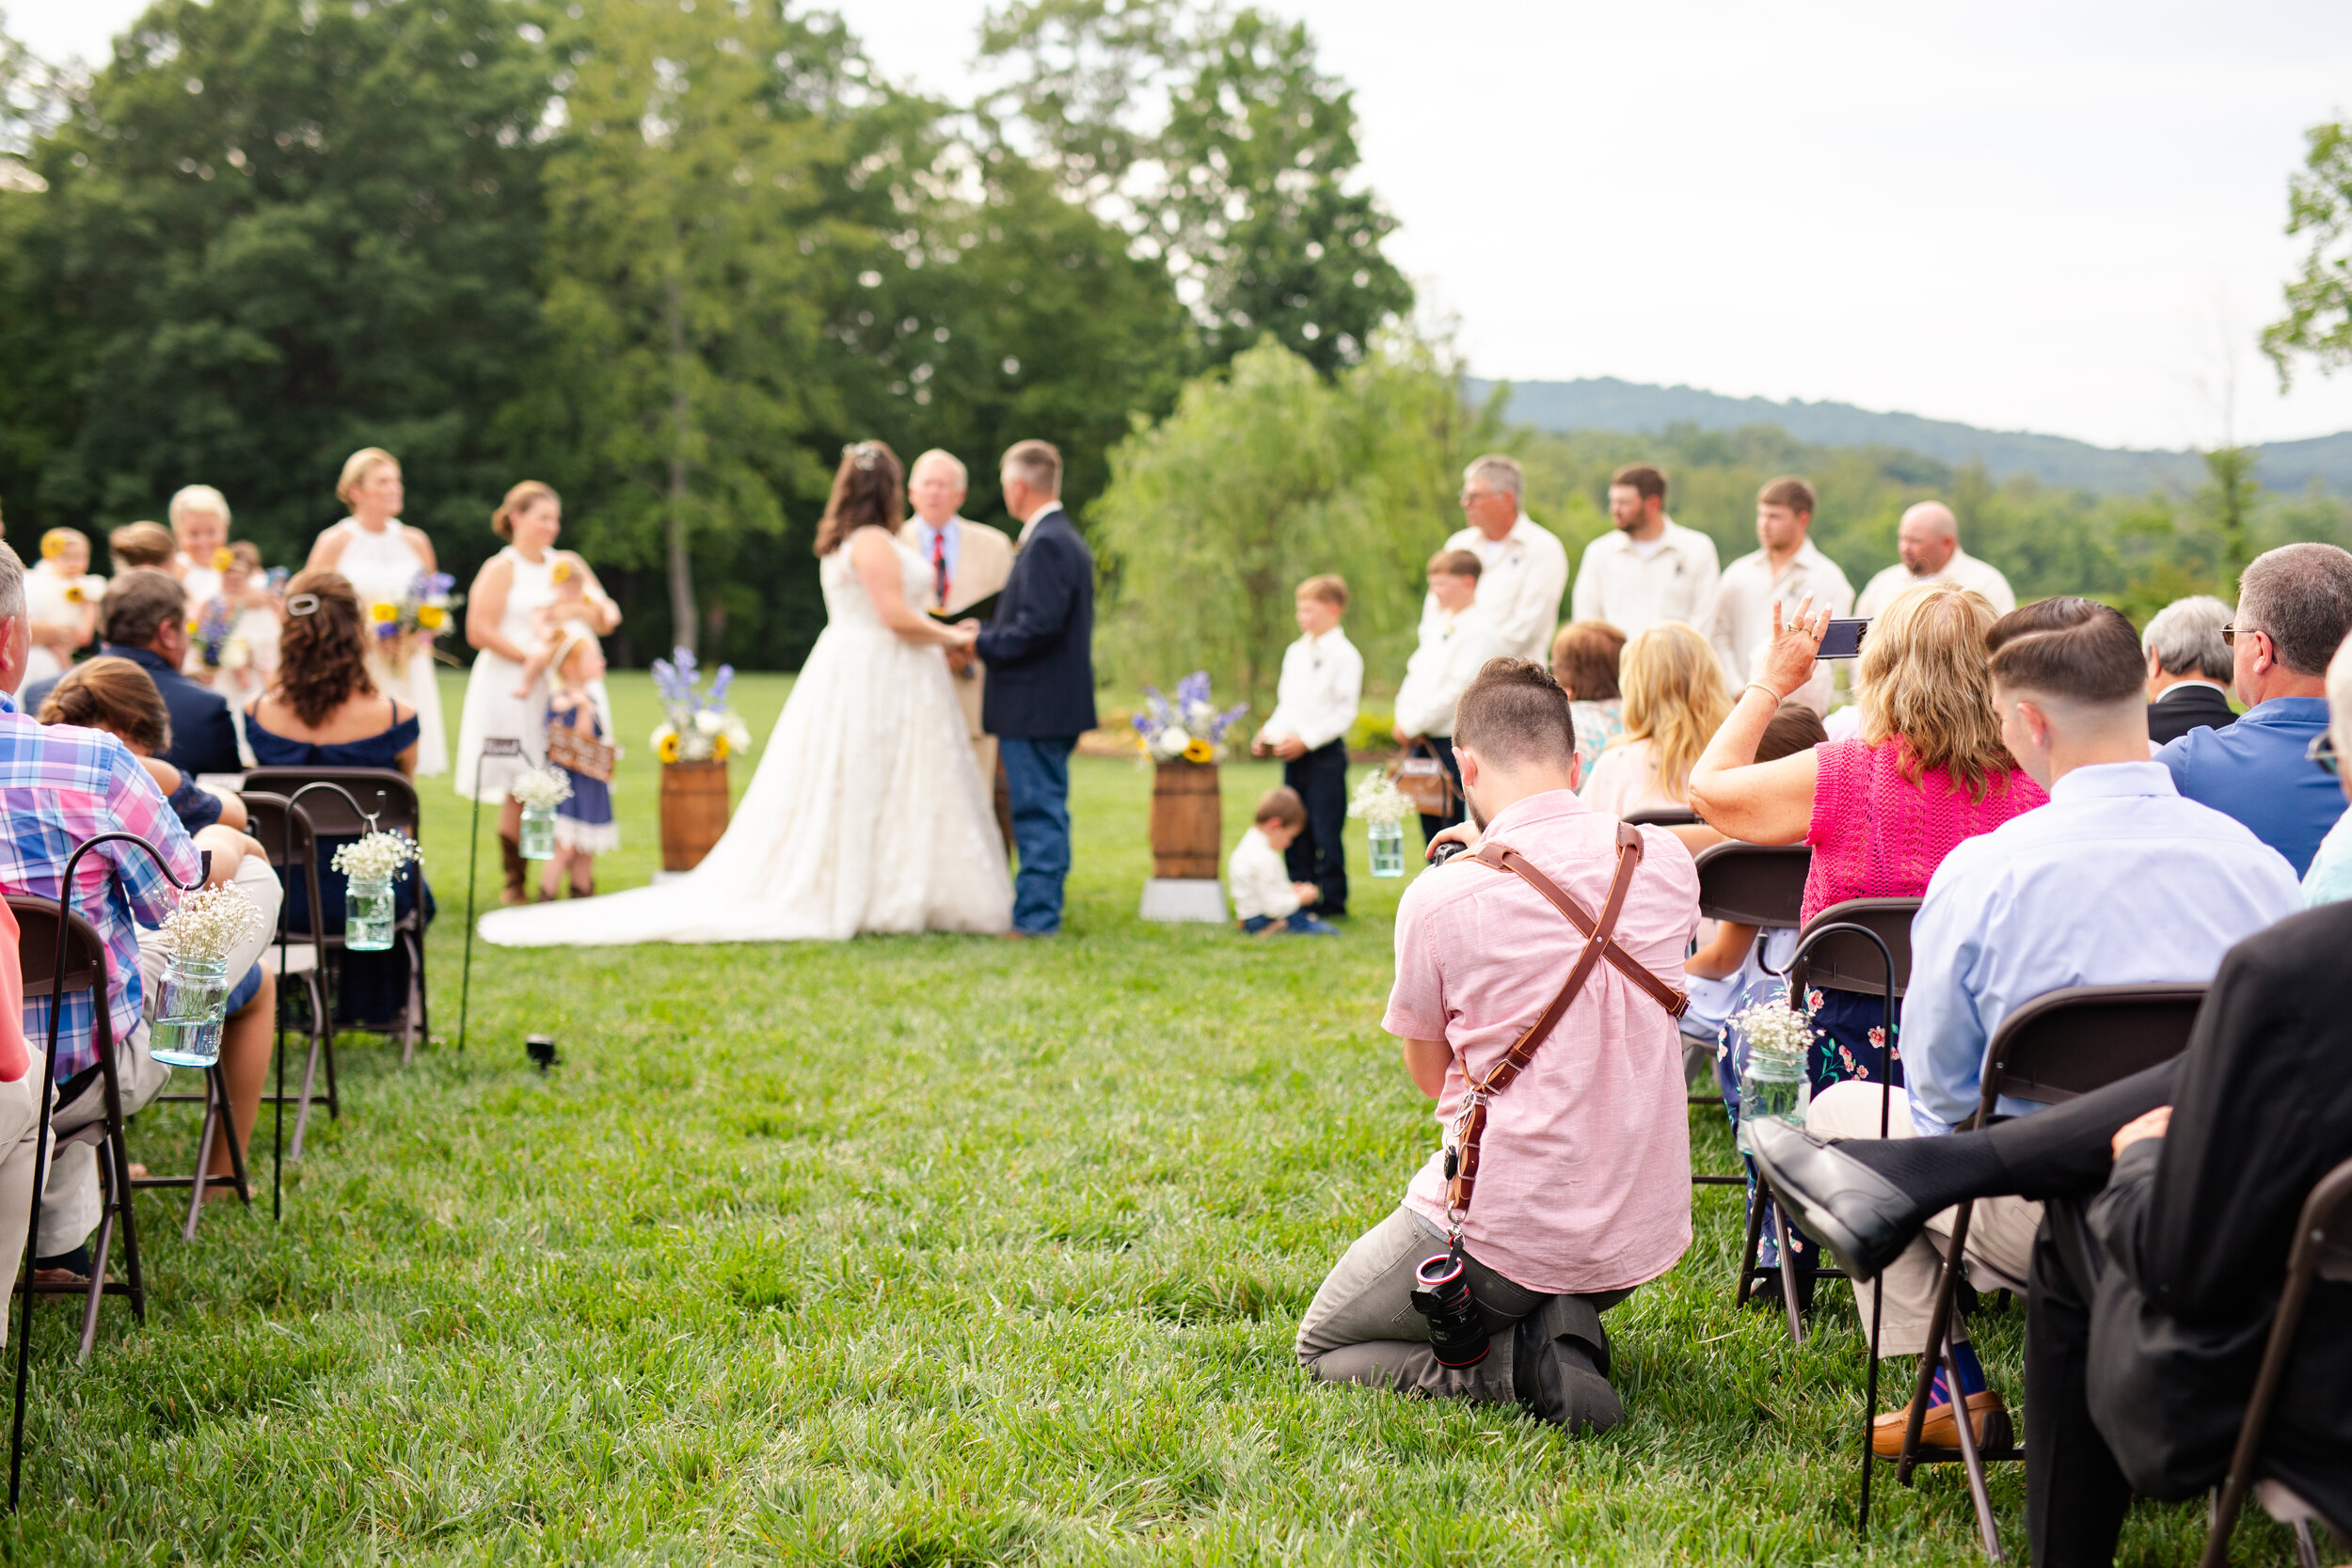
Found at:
[911, 1251]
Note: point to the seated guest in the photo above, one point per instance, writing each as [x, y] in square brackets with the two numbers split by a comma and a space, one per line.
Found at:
[144, 618]
[1882, 809]
[2330, 876]
[1584, 660]
[1674, 699]
[1583, 1168]
[116, 696]
[2294, 608]
[59, 786]
[2188, 668]
[324, 711]
[2169, 1200]
[2057, 897]
[1456, 642]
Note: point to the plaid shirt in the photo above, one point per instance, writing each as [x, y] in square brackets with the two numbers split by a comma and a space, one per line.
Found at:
[60, 785]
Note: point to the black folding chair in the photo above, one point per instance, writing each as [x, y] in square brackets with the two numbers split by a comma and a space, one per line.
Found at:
[362, 798]
[1663, 817]
[1749, 884]
[2322, 1250]
[285, 830]
[2058, 1045]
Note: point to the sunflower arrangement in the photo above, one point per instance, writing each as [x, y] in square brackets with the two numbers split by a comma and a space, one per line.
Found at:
[1187, 727]
[701, 727]
[421, 611]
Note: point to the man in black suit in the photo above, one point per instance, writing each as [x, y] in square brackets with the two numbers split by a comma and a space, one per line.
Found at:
[1040, 652]
[2171, 1203]
[144, 618]
[2189, 667]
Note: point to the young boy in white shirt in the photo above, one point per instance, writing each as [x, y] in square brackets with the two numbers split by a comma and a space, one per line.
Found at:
[1456, 641]
[1323, 676]
[1264, 898]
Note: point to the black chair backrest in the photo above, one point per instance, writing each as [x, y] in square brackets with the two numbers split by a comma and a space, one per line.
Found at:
[1844, 961]
[37, 949]
[2067, 1042]
[1663, 817]
[1754, 884]
[382, 790]
[284, 830]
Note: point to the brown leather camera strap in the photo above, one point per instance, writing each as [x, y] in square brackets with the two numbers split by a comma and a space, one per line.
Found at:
[1599, 943]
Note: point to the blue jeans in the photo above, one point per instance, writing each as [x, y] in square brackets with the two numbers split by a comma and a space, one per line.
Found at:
[1037, 775]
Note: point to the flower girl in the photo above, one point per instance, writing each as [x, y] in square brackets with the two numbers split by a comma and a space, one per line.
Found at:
[584, 827]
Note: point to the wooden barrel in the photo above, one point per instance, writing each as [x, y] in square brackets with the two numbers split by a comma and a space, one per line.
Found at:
[693, 812]
[1186, 822]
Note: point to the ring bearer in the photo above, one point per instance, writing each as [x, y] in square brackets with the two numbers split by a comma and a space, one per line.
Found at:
[969, 561]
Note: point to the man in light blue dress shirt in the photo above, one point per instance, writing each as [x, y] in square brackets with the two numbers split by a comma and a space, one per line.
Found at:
[2117, 880]
[2294, 608]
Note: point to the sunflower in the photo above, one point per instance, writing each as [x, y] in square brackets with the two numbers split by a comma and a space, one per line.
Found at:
[719, 748]
[52, 544]
[222, 559]
[1199, 750]
[384, 612]
[430, 616]
[73, 593]
[192, 629]
[667, 751]
[562, 572]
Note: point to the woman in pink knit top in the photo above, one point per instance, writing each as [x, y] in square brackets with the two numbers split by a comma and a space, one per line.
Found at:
[1883, 809]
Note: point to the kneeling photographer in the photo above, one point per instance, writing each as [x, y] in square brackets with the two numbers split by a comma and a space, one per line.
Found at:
[1563, 1181]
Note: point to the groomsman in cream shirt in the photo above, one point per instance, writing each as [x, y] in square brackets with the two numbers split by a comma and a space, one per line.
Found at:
[1524, 566]
[1787, 571]
[1928, 539]
[968, 562]
[1648, 568]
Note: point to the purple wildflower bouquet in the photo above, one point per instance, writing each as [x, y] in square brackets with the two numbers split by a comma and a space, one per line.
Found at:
[1187, 727]
[700, 727]
[213, 631]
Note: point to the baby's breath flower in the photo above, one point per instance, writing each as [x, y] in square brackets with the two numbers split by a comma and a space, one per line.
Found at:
[541, 788]
[1378, 800]
[210, 921]
[377, 857]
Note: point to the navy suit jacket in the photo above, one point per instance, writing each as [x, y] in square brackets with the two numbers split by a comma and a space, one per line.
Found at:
[1040, 646]
[2188, 707]
[203, 738]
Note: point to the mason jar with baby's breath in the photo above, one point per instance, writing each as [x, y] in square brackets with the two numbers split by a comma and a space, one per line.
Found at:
[201, 932]
[1383, 809]
[540, 791]
[1774, 1039]
[369, 862]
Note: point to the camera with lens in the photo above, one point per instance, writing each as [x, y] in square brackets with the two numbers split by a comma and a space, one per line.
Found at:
[1457, 1333]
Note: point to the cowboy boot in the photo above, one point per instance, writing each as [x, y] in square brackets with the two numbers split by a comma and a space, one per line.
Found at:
[517, 889]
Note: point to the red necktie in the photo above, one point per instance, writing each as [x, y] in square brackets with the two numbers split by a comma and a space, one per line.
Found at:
[939, 564]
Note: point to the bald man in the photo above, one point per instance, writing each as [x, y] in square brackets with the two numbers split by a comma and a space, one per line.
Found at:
[1929, 539]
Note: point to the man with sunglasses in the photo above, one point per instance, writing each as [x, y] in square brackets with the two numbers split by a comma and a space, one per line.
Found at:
[2293, 609]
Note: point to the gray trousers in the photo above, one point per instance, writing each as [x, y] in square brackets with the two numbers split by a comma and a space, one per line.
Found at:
[1361, 1326]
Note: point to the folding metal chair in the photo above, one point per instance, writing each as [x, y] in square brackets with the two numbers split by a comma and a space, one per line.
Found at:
[1864, 946]
[2322, 1250]
[359, 798]
[1749, 884]
[218, 1113]
[2058, 1045]
[285, 830]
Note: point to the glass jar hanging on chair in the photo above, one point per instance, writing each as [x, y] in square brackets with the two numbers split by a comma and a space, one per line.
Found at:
[368, 914]
[538, 832]
[188, 1016]
[1388, 848]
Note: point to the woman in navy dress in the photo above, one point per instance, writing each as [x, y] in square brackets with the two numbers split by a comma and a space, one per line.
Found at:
[324, 711]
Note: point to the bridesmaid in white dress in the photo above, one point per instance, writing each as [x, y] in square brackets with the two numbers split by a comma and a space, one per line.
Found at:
[867, 813]
[509, 591]
[60, 604]
[381, 556]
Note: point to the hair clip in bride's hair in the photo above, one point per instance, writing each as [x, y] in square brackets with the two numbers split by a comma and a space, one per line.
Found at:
[302, 603]
[865, 454]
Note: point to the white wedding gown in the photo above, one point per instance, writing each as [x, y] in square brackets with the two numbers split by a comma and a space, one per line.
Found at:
[867, 813]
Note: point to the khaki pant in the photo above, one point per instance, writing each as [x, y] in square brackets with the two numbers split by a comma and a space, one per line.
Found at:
[2000, 1229]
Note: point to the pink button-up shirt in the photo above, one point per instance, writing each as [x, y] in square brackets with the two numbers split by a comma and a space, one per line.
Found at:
[1585, 1169]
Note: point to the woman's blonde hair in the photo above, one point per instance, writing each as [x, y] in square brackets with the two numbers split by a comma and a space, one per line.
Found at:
[196, 498]
[1674, 698]
[521, 498]
[358, 466]
[1925, 679]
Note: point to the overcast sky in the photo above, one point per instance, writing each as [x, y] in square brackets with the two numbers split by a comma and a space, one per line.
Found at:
[2063, 217]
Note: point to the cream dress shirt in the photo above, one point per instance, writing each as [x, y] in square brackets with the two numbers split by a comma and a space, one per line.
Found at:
[1522, 576]
[1741, 621]
[1452, 650]
[1258, 879]
[1632, 592]
[1964, 569]
[1322, 679]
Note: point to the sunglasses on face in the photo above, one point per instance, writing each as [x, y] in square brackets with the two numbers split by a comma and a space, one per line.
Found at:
[2230, 634]
[2323, 750]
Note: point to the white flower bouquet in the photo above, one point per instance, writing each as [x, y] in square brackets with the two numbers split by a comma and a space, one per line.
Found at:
[377, 857]
[541, 789]
[1378, 801]
[210, 922]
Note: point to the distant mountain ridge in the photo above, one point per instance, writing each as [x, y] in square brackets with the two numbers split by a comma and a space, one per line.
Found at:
[1605, 402]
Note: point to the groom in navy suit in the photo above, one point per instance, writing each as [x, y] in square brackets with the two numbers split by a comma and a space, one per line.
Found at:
[1039, 648]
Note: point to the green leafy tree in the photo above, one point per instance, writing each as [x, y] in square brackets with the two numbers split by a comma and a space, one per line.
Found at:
[1267, 473]
[2318, 321]
[276, 232]
[1222, 150]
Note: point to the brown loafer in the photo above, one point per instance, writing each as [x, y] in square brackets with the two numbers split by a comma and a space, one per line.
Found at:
[1939, 1435]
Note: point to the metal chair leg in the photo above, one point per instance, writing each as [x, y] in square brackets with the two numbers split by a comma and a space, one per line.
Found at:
[1970, 1459]
[1755, 1246]
[302, 1103]
[1787, 1277]
[204, 1162]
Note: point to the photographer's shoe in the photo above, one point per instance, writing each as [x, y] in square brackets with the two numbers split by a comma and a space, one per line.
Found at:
[1559, 1370]
[1849, 1207]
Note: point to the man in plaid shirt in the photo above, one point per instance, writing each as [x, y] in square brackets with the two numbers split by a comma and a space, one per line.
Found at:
[58, 786]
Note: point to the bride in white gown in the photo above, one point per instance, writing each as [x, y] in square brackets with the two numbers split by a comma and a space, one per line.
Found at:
[867, 813]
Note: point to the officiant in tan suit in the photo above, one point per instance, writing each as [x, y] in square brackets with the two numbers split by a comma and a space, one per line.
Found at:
[968, 563]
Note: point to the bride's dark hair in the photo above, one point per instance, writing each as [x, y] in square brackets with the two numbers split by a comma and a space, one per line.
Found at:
[868, 488]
